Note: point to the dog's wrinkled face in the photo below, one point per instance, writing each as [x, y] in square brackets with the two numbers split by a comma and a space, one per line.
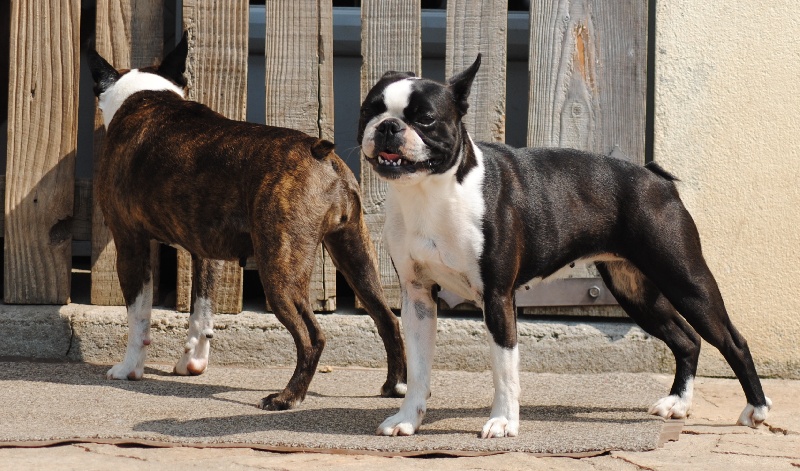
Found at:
[411, 127]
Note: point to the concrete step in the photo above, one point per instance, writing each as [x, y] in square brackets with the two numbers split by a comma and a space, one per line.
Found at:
[97, 334]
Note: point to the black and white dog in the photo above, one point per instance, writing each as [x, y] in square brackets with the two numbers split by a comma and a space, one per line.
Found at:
[482, 219]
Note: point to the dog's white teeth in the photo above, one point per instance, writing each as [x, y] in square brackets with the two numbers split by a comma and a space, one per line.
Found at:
[380, 160]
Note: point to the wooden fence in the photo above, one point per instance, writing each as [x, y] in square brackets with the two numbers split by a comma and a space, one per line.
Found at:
[587, 65]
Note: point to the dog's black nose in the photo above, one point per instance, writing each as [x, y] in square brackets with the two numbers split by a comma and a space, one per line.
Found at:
[390, 127]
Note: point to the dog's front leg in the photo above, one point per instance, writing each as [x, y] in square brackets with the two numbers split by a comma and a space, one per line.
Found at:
[133, 269]
[418, 314]
[201, 322]
[501, 322]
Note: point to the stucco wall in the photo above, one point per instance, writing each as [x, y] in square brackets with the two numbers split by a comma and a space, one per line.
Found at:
[728, 124]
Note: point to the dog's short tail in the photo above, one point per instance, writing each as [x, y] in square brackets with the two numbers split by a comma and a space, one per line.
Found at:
[658, 170]
[321, 149]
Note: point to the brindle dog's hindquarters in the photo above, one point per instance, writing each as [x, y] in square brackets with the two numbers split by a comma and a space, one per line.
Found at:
[286, 268]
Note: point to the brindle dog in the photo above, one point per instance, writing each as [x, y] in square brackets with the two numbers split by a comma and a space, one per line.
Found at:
[175, 171]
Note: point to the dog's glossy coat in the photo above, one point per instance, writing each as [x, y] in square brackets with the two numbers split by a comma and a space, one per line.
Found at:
[482, 219]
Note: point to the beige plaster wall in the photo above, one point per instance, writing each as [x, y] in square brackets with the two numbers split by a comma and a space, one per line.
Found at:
[728, 124]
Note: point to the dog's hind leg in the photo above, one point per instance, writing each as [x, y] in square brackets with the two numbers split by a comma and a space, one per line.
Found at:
[354, 256]
[695, 295]
[285, 263]
[642, 301]
[133, 269]
[294, 311]
[206, 275]
[676, 266]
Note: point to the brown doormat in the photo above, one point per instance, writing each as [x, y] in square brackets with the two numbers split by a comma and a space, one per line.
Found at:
[565, 415]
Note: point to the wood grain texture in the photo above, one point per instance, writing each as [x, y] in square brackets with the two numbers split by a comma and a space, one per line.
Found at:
[128, 34]
[82, 208]
[480, 26]
[588, 72]
[298, 54]
[5, 35]
[587, 65]
[42, 137]
[391, 32]
[183, 289]
[217, 74]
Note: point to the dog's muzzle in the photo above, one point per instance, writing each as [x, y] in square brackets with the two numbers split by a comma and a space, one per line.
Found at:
[389, 135]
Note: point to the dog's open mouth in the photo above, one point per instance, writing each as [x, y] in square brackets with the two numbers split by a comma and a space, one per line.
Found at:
[394, 160]
[392, 165]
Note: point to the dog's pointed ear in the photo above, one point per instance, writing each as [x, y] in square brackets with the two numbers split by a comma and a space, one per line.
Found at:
[103, 74]
[461, 84]
[174, 65]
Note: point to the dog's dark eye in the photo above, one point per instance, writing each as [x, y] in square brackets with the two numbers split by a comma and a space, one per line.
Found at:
[425, 120]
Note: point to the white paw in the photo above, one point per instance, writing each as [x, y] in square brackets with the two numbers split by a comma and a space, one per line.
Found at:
[752, 416]
[400, 425]
[125, 371]
[498, 427]
[188, 366]
[195, 359]
[401, 389]
[672, 407]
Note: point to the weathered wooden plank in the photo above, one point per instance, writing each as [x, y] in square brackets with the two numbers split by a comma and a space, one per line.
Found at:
[298, 52]
[324, 276]
[480, 26]
[129, 34]
[42, 137]
[587, 65]
[217, 75]
[5, 34]
[391, 32]
[82, 204]
[183, 290]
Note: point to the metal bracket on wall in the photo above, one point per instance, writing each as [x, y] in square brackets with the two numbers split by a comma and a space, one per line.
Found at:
[559, 292]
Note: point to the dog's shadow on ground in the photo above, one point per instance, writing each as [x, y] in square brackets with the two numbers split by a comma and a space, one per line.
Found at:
[157, 382]
[364, 421]
[353, 415]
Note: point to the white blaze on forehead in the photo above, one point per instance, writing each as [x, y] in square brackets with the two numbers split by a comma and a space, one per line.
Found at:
[130, 83]
[396, 96]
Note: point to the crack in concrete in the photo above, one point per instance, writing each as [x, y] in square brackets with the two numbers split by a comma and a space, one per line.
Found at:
[639, 466]
[738, 453]
[118, 455]
[779, 430]
[696, 432]
[71, 335]
[114, 453]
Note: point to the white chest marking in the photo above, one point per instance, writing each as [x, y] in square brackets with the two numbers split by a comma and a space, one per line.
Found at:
[130, 83]
[436, 228]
